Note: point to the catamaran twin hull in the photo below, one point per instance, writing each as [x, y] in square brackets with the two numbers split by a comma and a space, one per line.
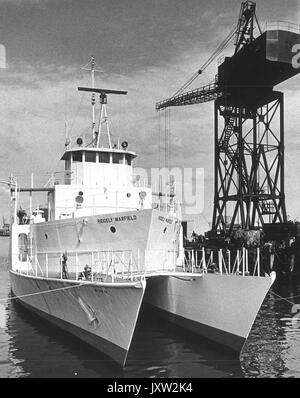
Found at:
[104, 315]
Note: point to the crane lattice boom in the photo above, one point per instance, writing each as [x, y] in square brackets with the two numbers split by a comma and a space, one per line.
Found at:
[204, 94]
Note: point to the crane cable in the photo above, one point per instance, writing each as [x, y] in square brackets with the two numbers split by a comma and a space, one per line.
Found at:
[4, 299]
[217, 52]
[167, 138]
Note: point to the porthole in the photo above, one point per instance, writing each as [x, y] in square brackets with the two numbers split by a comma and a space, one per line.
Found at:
[165, 229]
[128, 195]
[46, 235]
[113, 230]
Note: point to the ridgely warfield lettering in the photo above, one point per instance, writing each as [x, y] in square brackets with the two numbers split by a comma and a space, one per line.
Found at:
[116, 219]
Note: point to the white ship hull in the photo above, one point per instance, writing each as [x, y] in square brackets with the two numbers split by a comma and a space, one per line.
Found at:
[147, 233]
[102, 315]
[102, 311]
[221, 308]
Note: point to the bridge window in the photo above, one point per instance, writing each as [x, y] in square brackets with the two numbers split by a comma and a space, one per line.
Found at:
[103, 157]
[90, 157]
[68, 164]
[77, 156]
[118, 158]
[128, 159]
[67, 158]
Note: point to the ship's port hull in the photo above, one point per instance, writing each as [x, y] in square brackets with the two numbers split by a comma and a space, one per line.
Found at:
[221, 308]
[102, 316]
[119, 354]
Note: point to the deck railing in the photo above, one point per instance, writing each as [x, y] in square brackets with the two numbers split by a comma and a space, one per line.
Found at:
[122, 265]
[228, 262]
[105, 265]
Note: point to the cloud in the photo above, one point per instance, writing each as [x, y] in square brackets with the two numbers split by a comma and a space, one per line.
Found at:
[4, 190]
[149, 54]
[33, 121]
[36, 107]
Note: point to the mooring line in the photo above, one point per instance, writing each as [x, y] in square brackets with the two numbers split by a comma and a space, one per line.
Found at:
[43, 292]
[286, 298]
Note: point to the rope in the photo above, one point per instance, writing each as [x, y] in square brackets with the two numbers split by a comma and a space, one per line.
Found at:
[169, 137]
[286, 298]
[166, 140]
[166, 144]
[159, 141]
[217, 52]
[35, 294]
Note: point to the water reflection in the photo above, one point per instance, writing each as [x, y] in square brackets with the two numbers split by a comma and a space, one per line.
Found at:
[290, 323]
[273, 347]
[160, 350]
[8, 368]
[42, 350]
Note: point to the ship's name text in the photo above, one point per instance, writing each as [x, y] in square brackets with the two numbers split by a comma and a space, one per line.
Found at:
[116, 219]
[163, 219]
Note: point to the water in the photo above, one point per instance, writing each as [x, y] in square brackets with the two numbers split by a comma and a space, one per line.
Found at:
[31, 347]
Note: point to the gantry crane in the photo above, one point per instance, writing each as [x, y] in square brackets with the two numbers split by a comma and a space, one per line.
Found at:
[249, 122]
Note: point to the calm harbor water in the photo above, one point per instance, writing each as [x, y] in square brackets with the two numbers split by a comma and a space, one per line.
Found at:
[31, 347]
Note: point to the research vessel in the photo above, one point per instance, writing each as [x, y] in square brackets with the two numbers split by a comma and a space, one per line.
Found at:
[101, 246]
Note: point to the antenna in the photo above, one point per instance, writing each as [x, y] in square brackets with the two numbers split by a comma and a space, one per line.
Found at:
[67, 133]
[91, 67]
[103, 113]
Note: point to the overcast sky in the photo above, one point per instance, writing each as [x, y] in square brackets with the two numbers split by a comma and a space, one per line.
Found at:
[148, 47]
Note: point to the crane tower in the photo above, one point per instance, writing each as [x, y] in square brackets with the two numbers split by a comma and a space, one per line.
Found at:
[248, 123]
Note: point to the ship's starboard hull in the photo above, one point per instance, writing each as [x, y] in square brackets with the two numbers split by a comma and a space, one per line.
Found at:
[221, 308]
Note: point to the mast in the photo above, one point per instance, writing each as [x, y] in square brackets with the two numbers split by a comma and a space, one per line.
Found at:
[103, 118]
[91, 67]
[93, 95]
